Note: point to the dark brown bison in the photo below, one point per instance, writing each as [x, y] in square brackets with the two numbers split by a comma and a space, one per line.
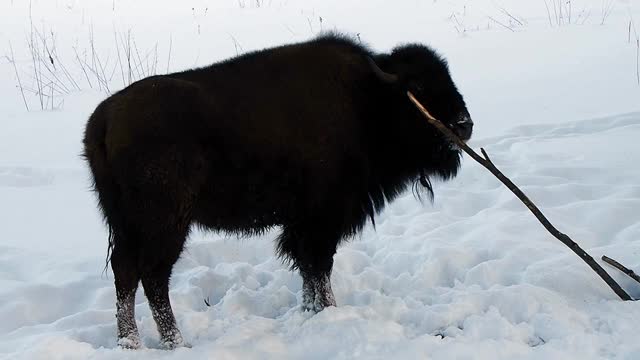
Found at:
[313, 137]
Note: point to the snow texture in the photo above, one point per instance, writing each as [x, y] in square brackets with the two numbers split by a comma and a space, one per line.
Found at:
[556, 105]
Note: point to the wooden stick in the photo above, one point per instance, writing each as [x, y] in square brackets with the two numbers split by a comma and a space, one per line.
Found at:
[486, 162]
[621, 267]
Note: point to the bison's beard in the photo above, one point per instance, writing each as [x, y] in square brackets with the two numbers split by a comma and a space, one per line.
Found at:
[422, 184]
[442, 163]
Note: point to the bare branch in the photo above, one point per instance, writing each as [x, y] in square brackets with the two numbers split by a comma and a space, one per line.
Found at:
[504, 11]
[486, 156]
[13, 62]
[501, 24]
[169, 56]
[82, 66]
[528, 203]
[620, 267]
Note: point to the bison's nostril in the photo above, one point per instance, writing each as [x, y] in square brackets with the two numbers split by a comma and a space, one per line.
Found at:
[464, 128]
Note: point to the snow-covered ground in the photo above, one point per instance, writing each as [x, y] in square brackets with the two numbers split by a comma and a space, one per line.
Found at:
[472, 276]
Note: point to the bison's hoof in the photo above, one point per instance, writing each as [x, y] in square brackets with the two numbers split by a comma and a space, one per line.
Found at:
[170, 345]
[317, 304]
[131, 342]
[311, 308]
[174, 341]
[315, 308]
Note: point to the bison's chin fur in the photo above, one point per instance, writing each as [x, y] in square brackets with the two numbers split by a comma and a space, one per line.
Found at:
[422, 185]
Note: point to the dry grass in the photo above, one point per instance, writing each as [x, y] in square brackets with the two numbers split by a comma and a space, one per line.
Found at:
[49, 78]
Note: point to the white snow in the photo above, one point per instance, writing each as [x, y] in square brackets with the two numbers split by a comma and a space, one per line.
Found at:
[471, 276]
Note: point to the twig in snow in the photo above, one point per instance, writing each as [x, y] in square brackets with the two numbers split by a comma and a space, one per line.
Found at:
[236, 44]
[82, 66]
[504, 11]
[169, 56]
[115, 36]
[638, 60]
[486, 162]
[13, 62]
[620, 267]
[310, 26]
[584, 15]
[548, 12]
[501, 24]
[632, 25]
[607, 8]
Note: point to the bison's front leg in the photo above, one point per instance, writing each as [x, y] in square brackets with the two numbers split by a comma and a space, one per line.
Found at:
[311, 250]
[316, 291]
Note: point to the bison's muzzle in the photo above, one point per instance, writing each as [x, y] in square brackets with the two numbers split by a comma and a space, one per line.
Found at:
[463, 127]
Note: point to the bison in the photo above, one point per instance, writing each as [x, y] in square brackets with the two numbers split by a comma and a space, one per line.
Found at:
[314, 138]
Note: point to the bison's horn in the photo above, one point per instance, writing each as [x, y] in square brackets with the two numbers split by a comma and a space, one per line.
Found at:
[384, 76]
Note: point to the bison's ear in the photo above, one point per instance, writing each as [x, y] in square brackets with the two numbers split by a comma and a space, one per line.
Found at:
[384, 76]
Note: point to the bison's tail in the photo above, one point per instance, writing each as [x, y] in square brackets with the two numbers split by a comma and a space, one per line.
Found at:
[104, 182]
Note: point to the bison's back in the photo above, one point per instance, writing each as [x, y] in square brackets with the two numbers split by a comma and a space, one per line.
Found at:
[156, 110]
[286, 134]
[256, 141]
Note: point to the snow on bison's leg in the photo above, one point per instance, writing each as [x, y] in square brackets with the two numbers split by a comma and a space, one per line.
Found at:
[316, 292]
[156, 289]
[311, 249]
[126, 280]
[161, 249]
[128, 336]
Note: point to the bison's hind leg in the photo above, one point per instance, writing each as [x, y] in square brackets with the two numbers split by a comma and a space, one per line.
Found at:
[163, 220]
[158, 199]
[125, 272]
[155, 273]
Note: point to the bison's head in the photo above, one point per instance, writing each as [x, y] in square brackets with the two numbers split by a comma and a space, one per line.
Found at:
[422, 71]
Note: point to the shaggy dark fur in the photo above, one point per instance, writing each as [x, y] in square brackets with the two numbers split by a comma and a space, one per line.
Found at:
[310, 137]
